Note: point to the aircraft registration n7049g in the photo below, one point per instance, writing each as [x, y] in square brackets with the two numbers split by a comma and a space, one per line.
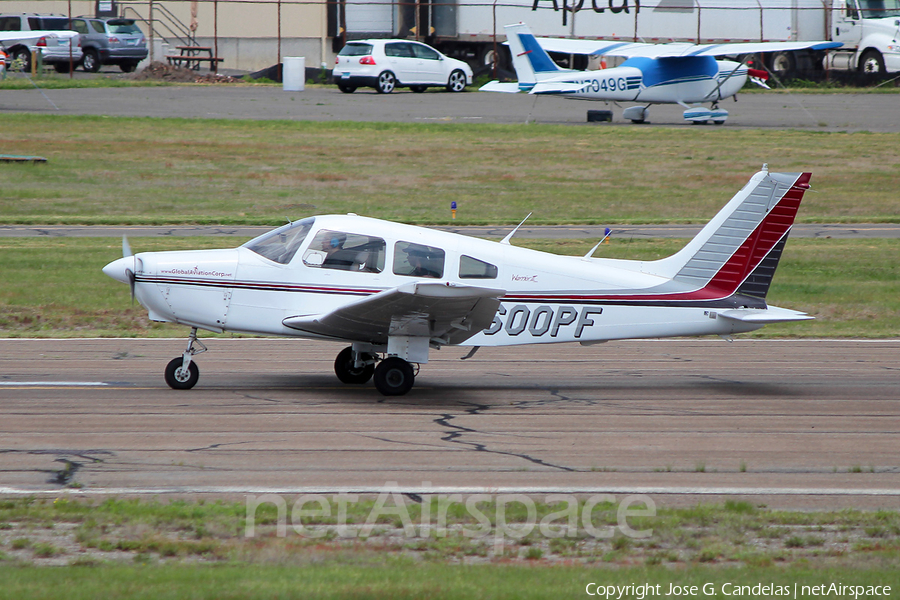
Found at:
[394, 292]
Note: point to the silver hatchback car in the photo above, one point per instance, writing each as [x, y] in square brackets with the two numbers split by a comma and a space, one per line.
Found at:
[389, 64]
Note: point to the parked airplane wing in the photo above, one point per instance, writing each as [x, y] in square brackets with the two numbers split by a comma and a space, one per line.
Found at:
[629, 49]
[446, 314]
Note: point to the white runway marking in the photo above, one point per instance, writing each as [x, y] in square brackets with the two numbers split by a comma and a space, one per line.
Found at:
[647, 490]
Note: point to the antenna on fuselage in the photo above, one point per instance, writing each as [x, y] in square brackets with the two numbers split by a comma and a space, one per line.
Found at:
[513, 232]
[594, 249]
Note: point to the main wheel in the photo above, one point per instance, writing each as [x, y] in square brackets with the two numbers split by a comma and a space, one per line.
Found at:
[457, 81]
[347, 372]
[22, 58]
[179, 379]
[347, 89]
[394, 376]
[784, 65]
[871, 63]
[91, 61]
[386, 83]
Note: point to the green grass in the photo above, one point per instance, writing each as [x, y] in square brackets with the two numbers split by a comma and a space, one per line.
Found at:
[53, 287]
[146, 170]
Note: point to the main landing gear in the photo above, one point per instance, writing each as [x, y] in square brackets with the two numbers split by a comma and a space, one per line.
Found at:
[394, 376]
[182, 373]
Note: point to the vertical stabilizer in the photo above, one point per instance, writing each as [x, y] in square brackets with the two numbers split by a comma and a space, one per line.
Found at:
[739, 249]
[531, 62]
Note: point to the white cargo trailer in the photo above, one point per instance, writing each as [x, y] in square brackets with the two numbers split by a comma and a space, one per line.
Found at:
[470, 29]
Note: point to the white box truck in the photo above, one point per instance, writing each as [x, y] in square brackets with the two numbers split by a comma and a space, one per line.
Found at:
[470, 29]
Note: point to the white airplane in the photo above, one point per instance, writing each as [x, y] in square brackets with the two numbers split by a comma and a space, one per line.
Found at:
[684, 74]
[394, 291]
[14, 42]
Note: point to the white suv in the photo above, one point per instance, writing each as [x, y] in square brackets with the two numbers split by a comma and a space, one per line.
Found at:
[387, 64]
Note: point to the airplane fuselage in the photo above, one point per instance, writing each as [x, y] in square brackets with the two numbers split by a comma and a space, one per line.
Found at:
[549, 298]
[657, 80]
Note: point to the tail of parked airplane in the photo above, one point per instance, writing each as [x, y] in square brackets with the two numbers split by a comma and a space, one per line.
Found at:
[737, 252]
[531, 62]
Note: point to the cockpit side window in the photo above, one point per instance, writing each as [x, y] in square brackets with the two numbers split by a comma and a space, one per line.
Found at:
[418, 260]
[281, 244]
[472, 268]
[345, 251]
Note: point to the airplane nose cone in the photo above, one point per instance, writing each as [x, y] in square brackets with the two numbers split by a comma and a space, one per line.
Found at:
[116, 269]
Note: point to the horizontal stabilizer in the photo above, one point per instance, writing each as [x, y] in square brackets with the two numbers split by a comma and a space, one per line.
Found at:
[496, 86]
[772, 314]
[556, 88]
[446, 314]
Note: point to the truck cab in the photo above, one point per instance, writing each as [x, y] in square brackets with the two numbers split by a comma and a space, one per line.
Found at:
[870, 32]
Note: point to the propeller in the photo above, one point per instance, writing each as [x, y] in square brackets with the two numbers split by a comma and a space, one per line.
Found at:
[126, 252]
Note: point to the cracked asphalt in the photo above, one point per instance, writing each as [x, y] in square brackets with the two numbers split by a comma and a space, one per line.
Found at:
[812, 422]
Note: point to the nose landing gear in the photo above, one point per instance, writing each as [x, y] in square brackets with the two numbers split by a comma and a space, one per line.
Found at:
[182, 373]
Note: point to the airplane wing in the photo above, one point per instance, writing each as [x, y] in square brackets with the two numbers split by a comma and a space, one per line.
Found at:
[497, 86]
[30, 37]
[446, 314]
[629, 50]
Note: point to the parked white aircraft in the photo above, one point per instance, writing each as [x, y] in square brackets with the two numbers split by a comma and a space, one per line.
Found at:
[684, 74]
[396, 291]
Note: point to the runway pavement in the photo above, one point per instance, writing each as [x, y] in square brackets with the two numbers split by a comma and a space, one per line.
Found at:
[808, 423]
[819, 112]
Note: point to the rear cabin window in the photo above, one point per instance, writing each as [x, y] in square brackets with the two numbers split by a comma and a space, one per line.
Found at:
[418, 260]
[472, 268]
[281, 244]
[346, 252]
[399, 49]
[356, 50]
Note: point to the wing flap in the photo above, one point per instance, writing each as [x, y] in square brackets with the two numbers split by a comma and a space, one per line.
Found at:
[446, 314]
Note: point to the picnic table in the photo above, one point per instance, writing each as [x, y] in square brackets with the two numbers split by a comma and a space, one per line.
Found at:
[193, 56]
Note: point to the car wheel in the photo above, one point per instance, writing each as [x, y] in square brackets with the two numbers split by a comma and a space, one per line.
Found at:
[418, 88]
[22, 58]
[871, 63]
[457, 81]
[128, 67]
[386, 83]
[91, 61]
[347, 89]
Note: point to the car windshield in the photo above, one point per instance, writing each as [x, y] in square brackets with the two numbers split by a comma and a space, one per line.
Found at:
[281, 244]
[123, 27]
[352, 49]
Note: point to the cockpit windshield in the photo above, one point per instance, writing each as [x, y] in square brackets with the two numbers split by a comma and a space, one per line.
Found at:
[281, 244]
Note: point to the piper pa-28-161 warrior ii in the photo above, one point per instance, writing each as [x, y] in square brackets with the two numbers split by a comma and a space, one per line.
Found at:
[684, 74]
[396, 291]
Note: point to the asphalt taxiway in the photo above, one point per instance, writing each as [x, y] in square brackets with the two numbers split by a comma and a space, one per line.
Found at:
[813, 422]
[774, 110]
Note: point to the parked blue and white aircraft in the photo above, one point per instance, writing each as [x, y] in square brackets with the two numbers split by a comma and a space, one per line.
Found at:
[394, 292]
[684, 74]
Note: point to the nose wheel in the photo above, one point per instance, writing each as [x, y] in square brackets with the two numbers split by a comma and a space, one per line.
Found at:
[182, 373]
[394, 376]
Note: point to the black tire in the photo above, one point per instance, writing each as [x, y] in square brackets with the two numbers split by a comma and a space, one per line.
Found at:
[457, 81]
[347, 373]
[61, 67]
[871, 63]
[128, 67]
[91, 61]
[394, 376]
[418, 88]
[386, 83]
[784, 65]
[23, 57]
[347, 89]
[175, 374]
